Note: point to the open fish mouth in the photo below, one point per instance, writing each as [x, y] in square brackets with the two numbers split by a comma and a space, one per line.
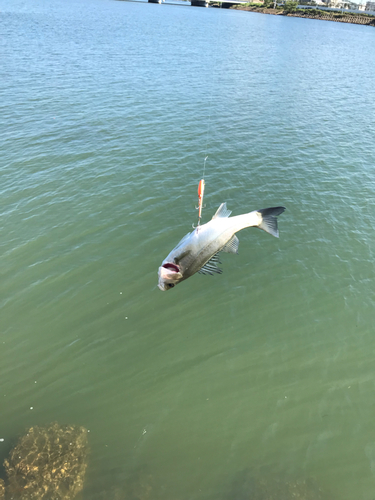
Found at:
[169, 276]
[171, 267]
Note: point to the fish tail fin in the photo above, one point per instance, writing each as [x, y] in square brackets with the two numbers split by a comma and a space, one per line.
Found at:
[268, 221]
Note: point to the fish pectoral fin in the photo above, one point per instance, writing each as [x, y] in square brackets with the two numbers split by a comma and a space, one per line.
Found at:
[232, 245]
[222, 211]
[211, 266]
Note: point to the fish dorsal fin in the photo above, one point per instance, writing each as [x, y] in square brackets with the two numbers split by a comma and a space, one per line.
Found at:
[222, 211]
[232, 245]
[211, 266]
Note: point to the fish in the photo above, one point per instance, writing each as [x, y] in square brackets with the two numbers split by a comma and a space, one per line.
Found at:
[198, 251]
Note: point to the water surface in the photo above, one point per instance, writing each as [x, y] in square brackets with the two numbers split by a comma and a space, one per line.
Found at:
[108, 110]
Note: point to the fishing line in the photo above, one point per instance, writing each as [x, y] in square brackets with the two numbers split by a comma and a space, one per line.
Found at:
[201, 184]
[210, 104]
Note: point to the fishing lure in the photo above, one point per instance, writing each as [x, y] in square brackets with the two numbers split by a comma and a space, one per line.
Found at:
[200, 199]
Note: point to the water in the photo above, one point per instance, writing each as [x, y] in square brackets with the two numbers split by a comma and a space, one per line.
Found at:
[108, 110]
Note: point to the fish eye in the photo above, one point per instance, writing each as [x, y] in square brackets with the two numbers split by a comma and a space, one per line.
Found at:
[171, 285]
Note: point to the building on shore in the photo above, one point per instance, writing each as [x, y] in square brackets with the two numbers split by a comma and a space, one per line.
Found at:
[337, 4]
[347, 4]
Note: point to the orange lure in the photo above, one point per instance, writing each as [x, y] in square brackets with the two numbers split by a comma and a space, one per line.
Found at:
[200, 199]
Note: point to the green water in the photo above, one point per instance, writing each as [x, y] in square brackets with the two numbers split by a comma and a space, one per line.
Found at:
[107, 111]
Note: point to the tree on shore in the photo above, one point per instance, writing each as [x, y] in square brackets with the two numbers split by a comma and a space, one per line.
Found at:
[290, 6]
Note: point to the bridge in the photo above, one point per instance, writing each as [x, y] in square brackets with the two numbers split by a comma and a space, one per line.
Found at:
[224, 4]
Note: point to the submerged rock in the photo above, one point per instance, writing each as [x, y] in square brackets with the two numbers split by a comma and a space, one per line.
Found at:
[48, 463]
[2, 489]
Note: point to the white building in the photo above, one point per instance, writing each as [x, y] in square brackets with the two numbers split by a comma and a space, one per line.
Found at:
[348, 5]
[335, 4]
[370, 6]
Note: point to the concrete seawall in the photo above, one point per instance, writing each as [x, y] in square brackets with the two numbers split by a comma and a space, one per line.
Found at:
[338, 18]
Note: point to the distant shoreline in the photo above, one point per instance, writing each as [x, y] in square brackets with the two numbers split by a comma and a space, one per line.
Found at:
[346, 17]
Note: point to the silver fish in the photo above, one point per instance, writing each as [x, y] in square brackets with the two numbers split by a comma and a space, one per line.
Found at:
[198, 251]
